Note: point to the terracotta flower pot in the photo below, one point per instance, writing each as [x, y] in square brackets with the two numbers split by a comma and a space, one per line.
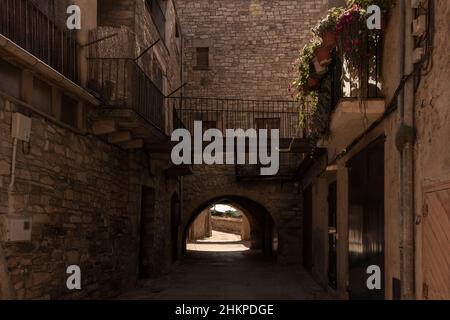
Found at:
[329, 39]
[313, 84]
[323, 55]
[320, 69]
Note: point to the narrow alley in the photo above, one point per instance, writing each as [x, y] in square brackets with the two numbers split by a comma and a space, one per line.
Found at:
[223, 268]
[224, 150]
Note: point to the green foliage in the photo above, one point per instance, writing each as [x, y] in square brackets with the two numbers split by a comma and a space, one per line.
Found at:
[383, 4]
[329, 22]
[304, 65]
[358, 45]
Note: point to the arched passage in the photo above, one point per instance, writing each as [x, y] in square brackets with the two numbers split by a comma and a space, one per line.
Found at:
[263, 235]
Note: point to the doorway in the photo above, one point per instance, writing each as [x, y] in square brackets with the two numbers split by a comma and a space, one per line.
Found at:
[175, 217]
[332, 235]
[307, 228]
[146, 242]
[366, 219]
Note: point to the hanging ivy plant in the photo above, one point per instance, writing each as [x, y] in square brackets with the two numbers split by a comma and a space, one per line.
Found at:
[326, 28]
[383, 4]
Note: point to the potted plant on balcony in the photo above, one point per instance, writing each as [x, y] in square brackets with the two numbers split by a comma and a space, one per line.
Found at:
[308, 78]
[351, 31]
[326, 28]
[384, 5]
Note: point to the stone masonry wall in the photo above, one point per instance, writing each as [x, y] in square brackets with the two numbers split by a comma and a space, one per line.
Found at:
[227, 225]
[281, 199]
[84, 199]
[252, 44]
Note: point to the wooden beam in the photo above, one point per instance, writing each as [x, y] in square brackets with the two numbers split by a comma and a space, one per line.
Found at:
[133, 144]
[118, 137]
[102, 127]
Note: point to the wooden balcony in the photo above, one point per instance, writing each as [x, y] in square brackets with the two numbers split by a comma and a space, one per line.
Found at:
[28, 27]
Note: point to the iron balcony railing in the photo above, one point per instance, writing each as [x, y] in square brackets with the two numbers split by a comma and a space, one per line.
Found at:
[235, 114]
[366, 81]
[289, 163]
[123, 84]
[238, 114]
[339, 83]
[27, 26]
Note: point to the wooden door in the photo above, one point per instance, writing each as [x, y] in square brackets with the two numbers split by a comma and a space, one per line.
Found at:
[307, 228]
[332, 233]
[436, 242]
[366, 219]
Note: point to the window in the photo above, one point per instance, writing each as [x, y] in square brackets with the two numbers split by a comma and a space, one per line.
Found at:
[202, 58]
[69, 111]
[10, 79]
[42, 96]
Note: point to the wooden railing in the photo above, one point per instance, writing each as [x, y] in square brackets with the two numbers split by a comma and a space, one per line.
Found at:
[24, 24]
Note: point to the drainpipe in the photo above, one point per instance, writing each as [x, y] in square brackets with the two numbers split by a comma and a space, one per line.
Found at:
[405, 138]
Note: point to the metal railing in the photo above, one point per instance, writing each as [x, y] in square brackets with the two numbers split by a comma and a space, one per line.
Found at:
[235, 114]
[239, 114]
[343, 82]
[123, 84]
[27, 26]
[365, 82]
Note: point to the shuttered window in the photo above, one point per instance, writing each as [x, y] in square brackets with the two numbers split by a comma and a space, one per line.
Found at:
[202, 58]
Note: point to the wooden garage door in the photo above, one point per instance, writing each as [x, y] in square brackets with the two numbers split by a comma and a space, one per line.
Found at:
[436, 242]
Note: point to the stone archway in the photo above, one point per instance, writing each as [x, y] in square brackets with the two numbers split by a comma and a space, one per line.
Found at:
[263, 228]
[282, 199]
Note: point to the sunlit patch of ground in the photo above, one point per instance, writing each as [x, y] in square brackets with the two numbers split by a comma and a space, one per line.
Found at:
[220, 242]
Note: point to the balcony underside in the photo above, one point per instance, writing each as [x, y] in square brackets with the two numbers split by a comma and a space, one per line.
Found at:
[127, 129]
[350, 119]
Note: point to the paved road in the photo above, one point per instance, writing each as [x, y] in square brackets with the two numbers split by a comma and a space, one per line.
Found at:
[234, 273]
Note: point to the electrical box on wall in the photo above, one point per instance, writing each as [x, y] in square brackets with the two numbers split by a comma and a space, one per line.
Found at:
[17, 228]
[21, 127]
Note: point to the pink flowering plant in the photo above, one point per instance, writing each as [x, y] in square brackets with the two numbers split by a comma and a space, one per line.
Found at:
[353, 33]
[329, 23]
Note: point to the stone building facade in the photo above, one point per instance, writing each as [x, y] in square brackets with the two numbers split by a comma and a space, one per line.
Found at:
[409, 184]
[251, 45]
[73, 193]
[246, 50]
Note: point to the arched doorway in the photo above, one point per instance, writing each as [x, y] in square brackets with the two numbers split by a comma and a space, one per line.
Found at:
[263, 232]
[175, 218]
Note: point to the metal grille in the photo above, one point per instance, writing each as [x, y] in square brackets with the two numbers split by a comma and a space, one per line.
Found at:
[123, 84]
